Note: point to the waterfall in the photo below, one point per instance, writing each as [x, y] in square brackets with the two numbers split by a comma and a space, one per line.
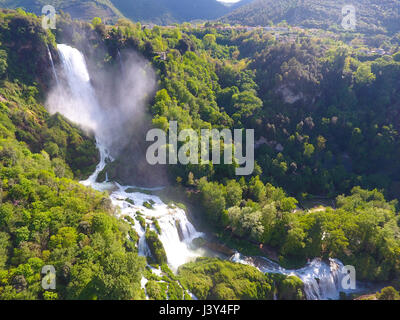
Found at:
[120, 61]
[322, 280]
[78, 102]
[83, 108]
[104, 157]
[52, 65]
[178, 250]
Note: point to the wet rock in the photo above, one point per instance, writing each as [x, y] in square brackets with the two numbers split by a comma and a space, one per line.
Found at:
[219, 247]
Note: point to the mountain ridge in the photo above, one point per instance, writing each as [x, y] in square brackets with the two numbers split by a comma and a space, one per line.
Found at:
[151, 11]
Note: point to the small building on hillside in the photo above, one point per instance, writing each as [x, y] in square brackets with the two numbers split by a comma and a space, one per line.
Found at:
[162, 54]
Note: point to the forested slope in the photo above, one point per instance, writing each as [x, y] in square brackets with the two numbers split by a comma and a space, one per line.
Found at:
[78, 9]
[46, 217]
[155, 11]
[323, 114]
[372, 15]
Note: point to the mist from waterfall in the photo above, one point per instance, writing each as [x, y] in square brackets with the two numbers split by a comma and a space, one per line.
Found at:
[112, 111]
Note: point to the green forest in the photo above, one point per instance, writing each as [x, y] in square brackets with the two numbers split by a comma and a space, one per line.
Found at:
[325, 110]
[373, 16]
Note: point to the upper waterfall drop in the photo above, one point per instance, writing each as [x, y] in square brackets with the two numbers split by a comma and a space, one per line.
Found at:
[53, 68]
[75, 64]
[81, 105]
[109, 104]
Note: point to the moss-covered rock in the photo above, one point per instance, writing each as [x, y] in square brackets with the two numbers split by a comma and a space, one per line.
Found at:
[133, 236]
[148, 205]
[211, 278]
[133, 190]
[288, 287]
[130, 220]
[198, 242]
[142, 221]
[175, 291]
[156, 225]
[156, 247]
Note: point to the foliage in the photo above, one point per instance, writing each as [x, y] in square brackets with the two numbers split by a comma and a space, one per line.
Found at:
[45, 217]
[388, 293]
[214, 279]
[324, 119]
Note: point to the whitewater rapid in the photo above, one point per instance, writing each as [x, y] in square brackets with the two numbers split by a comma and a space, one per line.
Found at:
[322, 280]
[177, 232]
[171, 219]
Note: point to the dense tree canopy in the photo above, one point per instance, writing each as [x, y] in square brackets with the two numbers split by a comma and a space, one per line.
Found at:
[325, 119]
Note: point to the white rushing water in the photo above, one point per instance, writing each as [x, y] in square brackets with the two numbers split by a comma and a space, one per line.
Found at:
[322, 280]
[75, 98]
[175, 239]
[52, 65]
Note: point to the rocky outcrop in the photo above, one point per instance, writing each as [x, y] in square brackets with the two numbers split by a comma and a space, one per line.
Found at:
[219, 247]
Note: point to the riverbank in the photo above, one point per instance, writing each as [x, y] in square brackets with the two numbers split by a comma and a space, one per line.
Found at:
[223, 240]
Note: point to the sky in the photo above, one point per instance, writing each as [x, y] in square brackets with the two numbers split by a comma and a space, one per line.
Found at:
[228, 1]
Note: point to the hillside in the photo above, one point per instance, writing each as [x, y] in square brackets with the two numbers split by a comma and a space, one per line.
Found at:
[372, 15]
[325, 113]
[169, 11]
[155, 11]
[78, 9]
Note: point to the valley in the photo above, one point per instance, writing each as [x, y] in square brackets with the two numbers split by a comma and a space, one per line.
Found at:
[77, 191]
